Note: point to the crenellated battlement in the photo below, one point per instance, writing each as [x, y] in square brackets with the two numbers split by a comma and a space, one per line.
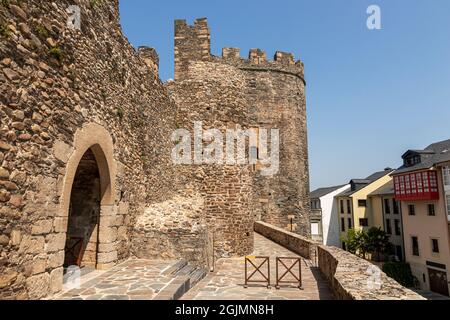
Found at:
[257, 56]
[192, 43]
[257, 60]
[284, 58]
[231, 53]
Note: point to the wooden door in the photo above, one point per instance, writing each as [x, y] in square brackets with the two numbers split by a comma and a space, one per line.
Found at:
[438, 282]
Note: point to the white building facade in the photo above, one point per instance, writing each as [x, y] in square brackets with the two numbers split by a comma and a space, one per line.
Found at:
[324, 204]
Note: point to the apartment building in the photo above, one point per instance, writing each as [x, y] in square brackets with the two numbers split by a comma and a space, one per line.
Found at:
[324, 215]
[422, 185]
[353, 205]
[384, 206]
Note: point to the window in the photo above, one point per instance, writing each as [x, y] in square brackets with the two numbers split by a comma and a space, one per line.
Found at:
[415, 246]
[350, 223]
[396, 207]
[315, 204]
[343, 224]
[344, 247]
[364, 222]
[412, 160]
[411, 210]
[398, 230]
[435, 245]
[417, 186]
[446, 173]
[341, 203]
[315, 229]
[362, 203]
[387, 206]
[388, 227]
[399, 252]
[431, 210]
[349, 207]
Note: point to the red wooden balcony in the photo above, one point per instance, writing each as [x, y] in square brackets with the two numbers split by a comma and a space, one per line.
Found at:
[416, 186]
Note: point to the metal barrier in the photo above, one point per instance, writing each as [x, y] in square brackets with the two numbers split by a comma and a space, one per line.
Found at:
[289, 271]
[258, 270]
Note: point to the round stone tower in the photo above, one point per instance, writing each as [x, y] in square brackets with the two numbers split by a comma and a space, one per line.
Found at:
[271, 96]
[231, 92]
[209, 96]
[275, 95]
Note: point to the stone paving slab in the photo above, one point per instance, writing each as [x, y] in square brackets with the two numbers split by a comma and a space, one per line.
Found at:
[227, 282]
[131, 280]
[429, 295]
[145, 279]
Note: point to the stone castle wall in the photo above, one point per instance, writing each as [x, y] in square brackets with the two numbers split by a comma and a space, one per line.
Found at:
[61, 91]
[273, 94]
[69, 96]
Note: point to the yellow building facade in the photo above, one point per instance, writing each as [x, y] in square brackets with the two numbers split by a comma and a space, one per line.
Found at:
[355, 208]
[386, 211]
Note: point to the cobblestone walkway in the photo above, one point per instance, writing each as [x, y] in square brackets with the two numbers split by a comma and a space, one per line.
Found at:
[130, 280]
[227, 282]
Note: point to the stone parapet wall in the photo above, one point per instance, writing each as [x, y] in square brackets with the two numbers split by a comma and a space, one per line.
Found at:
[257, 61]
[353, 278]
[350, 277]
[292, 241]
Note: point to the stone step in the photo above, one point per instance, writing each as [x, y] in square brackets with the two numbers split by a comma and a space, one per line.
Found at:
[175, 268]
[197, 276]
[175, 290]
[186, 276]
[186, 271]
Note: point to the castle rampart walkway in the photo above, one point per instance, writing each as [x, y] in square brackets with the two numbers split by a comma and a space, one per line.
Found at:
[144, 279]
[227, 282]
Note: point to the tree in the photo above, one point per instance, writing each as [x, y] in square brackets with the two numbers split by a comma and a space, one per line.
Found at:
[374, 241]
[378, 243]
[356, 242]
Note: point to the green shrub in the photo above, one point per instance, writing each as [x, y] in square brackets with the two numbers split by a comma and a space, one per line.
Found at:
[57, 53]
[4, 31]
[41, 31]
[95, 3]
[120, 113]
[374, 241]
[401, 272]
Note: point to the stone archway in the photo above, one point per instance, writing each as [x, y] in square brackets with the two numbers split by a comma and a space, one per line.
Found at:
[82, 236]
[92, 156]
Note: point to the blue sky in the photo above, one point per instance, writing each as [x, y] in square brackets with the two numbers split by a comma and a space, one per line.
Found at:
[371, 94]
